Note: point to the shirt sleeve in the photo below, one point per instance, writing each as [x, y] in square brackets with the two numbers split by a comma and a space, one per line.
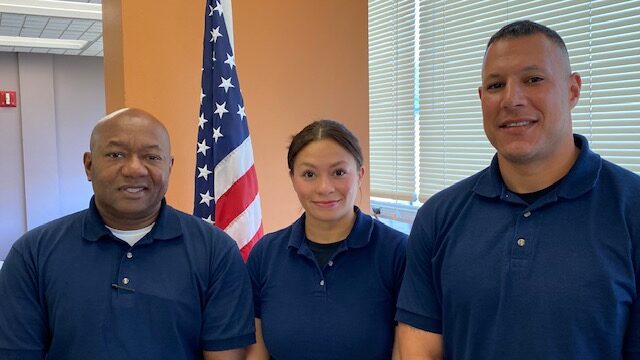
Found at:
[253, 266]
[631, 349]
[228, 314]
[632, 335]
[400, 262]
[418, 302]
[23, 330]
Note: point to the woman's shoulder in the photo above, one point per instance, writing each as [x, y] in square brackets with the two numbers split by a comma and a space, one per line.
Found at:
[272, 241]
[386, 232]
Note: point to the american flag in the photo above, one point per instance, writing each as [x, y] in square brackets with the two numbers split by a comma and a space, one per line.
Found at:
[226, 186]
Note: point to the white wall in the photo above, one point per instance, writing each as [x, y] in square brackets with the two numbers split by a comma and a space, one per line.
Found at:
[42, 140]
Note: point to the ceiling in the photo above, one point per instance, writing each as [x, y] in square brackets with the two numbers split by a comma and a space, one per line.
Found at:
[20, 26]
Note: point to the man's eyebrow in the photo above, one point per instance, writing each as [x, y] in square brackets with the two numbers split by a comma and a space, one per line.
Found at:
[532, 68]
[115, 143]
[525, 69]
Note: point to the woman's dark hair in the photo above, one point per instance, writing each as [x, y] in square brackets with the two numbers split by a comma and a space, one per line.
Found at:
[324, 129]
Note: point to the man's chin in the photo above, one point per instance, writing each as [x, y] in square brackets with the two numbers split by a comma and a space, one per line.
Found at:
[518, 153]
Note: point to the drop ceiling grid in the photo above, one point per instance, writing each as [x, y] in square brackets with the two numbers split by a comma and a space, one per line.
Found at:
[53, 28]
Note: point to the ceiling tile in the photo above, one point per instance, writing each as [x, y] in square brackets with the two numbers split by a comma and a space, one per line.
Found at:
[12, 19]
[54, 28]
[9, 31]
[80, 25]
[58, 23]
[30, 32]
[89, 36]
[51, 34]
[35, 21]
[73, 35]
[97, 26]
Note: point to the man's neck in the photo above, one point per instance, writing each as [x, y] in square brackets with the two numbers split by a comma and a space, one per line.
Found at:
[537, 175]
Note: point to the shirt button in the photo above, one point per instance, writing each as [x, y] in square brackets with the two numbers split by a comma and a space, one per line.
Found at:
[521, 242]
[321, 282]
[129, 255]
[330, 263]
[125, 280]
[527, 214]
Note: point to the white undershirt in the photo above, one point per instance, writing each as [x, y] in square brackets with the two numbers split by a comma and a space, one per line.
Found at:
[131, 236]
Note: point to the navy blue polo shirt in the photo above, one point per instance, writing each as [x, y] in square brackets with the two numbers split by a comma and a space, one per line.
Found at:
[344, 311]
[556, 279]
[71, 290]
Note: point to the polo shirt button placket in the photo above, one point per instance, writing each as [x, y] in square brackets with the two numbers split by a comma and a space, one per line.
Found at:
[330, 263]
[129, 255]
[527, 214]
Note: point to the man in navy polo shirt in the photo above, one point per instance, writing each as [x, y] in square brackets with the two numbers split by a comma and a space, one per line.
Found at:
[130, 277]
[537, 256]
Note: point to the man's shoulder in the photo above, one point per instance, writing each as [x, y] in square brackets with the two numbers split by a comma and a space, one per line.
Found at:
[192, 222]
[61, 225]
[619, 185]
[45, 238]
[195, 228]
[451, 200]
[458, 191]
[63, 221]
[186, 218]
[620, 175]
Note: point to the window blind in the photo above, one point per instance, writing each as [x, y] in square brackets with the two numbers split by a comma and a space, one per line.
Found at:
[603, 39]
[391, 98]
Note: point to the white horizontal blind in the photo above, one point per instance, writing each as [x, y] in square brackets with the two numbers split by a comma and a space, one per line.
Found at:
[603, 38]
[609, 110]
[452, 39]
[391, 98]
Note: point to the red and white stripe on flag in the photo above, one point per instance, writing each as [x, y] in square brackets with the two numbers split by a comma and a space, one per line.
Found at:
[226, 185]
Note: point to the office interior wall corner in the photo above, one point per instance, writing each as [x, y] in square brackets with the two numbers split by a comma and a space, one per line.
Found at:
[42, 139]
[12, 204]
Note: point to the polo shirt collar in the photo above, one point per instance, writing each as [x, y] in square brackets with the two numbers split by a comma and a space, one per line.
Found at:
[580, 179]
[359, 236]
[167, 224]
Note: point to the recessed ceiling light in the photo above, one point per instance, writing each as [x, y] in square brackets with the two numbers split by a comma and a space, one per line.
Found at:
[42, 42]
[67, 9]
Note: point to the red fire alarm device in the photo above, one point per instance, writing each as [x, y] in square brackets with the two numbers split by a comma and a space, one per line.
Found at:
[7, 98]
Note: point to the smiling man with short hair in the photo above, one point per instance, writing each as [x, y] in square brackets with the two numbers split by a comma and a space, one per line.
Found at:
[538, 255]
[130, 277]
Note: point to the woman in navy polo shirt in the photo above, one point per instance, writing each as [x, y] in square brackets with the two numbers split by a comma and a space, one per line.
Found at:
[326, 286]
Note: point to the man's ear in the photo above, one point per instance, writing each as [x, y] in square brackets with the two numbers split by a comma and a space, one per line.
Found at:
[86, 159]
[575, 84]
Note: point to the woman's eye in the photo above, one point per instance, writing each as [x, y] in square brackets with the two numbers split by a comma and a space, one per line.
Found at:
[535, 79]
[340, 172]
[307, 174]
